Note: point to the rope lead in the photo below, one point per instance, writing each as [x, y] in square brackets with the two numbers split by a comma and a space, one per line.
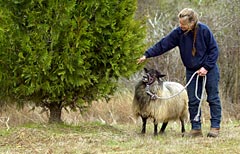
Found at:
[197, 117]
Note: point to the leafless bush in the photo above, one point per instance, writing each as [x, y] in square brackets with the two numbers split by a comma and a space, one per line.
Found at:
[222, 16]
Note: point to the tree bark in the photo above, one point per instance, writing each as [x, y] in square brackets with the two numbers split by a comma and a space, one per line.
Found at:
[55, 113]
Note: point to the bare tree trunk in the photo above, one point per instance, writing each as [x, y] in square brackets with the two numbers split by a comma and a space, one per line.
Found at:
[55, 113]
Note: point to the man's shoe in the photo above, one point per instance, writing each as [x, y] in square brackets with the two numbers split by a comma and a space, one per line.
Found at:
[214, 132]
[195, 133]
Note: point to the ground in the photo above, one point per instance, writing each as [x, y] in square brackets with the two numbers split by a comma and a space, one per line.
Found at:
[92, 138]
[108, 128]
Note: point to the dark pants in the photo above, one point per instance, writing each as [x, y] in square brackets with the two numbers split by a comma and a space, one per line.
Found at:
[212, 97]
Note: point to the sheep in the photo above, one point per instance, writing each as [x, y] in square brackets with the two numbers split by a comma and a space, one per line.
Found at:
[147, 101]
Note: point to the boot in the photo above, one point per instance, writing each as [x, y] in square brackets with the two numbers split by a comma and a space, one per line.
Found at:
[214, 132]
[195, 133]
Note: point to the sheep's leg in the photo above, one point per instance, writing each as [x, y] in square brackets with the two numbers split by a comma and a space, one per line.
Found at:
[144, 121]
[183, 127]
[164, 125]
[155, 128]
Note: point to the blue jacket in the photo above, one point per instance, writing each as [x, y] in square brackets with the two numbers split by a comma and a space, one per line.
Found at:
[206, 47]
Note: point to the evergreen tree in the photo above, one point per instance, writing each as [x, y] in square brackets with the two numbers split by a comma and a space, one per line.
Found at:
[63, 53]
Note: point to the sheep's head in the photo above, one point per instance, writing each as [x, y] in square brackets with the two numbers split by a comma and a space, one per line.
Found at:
[151, 76]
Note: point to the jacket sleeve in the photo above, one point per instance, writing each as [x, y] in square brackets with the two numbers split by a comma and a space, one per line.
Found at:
[165, 44]
[212, 50]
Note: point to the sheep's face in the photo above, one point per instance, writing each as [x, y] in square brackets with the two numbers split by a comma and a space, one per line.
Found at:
[151, 76]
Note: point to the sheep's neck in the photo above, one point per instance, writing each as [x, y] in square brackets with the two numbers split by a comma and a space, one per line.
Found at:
[155, 89]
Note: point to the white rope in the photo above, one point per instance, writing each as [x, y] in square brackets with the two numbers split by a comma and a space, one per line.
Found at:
[150, 93]
[197, 117]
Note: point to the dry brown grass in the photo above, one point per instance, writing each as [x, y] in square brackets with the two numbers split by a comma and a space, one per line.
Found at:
[116, 111]
[91, 138]
[108, 128]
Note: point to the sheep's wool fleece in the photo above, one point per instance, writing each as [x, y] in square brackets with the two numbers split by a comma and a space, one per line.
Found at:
[162, 110]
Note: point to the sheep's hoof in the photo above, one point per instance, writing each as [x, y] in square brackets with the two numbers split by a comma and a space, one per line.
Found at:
[183, 134]
[142, 134]
[155, 134]
[161, 132]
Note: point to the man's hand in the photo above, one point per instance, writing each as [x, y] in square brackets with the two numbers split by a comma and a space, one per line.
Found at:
[142, 59]
[202, 71]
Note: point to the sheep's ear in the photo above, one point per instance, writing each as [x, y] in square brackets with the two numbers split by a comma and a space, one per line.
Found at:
[146, 70]
[161, 75]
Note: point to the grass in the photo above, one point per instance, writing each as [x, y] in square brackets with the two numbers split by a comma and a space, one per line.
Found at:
[109, 128]
[94, 137]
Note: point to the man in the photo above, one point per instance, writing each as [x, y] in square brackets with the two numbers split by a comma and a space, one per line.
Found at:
[199, 53]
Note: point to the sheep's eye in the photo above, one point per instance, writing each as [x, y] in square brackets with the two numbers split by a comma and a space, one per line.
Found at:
[145, 79]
